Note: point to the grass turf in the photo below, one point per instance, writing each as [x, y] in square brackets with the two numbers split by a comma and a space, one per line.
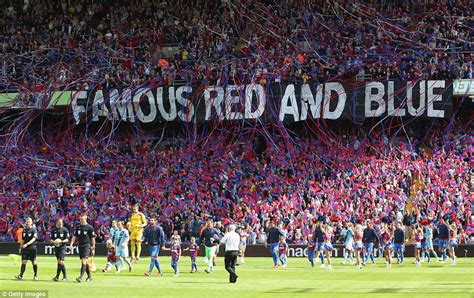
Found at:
[256, 278]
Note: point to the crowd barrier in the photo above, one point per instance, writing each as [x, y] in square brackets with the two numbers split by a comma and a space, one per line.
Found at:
[297, 251]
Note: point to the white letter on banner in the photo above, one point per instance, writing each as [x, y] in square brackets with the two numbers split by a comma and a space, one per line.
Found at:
[215, 102]
[230, 101]
[125, 107]
[188, 113]
[431, 98]
[291, 109]
[138, 109]
[421, 109]
[77, 110]
[391, 111]
[308, 99]
[159, 100]
[261, 99]
[121, 108]
[98, 106]
[114, 99]
[377, 97]
[341, 100]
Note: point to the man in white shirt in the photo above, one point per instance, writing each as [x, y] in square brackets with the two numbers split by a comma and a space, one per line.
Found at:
[231, 240]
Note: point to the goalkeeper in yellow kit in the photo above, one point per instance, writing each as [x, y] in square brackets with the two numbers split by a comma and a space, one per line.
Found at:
[137, 223]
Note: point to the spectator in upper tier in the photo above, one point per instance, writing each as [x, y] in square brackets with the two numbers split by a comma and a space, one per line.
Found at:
[46, 47]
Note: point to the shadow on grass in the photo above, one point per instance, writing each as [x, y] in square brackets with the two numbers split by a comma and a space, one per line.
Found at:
[386, 290]
[28, 280]
[14, 279]
[201, 282]
[293, 290]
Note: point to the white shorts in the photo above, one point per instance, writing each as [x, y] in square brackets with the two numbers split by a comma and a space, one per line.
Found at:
[348, 245]
[122, 252]
[429, 243]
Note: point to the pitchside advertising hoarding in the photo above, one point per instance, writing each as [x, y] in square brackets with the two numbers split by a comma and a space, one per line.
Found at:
[278, 101]
[294, 251]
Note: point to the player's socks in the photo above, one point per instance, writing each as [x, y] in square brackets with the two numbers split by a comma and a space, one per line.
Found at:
[321, 256]
[35, 269]
[133, 248]
[128, 264]
[120, 263]
[311, 260]
[139, 250]
[88, 271]
[58, 271]
[444, 256]
[22, 270]
[209, 266]
[63, 269]
[83, 270]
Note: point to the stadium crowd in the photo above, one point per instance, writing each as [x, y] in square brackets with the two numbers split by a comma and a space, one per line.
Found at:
[345, 178]
[49, 45]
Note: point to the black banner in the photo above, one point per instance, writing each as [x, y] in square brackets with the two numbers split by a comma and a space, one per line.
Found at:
[251, 250]
[285, 101]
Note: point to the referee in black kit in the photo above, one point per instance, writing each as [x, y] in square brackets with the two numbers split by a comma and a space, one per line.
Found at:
[28, 249]
[86, 237]
[60, 238]
[231, 240]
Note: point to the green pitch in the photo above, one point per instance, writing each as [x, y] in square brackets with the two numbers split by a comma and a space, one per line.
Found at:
[256, 278]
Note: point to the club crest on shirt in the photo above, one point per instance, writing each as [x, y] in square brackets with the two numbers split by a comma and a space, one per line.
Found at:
[79, 232]
[60, 235]
[29, 234]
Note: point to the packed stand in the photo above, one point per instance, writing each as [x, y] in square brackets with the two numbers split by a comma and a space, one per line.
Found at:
[50, 45]
[346, 178]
